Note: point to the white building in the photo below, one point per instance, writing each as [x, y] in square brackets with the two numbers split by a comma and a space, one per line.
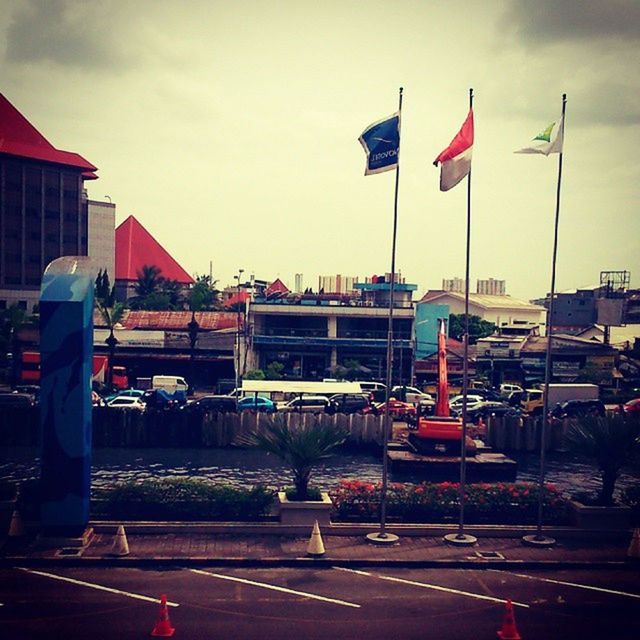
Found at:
[491, 287]
[102, 236]
[453, 284]
[336, 284]
[499, 309]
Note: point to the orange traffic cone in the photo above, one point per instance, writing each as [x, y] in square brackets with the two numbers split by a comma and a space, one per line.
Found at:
[509, 631]
[163, 627]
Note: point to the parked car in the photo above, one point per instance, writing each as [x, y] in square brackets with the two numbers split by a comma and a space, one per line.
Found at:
[15, 399]
[397, 409]
[213, 404]
[577, 408]
[509, 387]
[490, 408]
[376, 390]
[409, 394]
[306, 404]
[455, 403]
[125, 393]
[351, 403]
[632, 408]
[257, 404]
[128, 403]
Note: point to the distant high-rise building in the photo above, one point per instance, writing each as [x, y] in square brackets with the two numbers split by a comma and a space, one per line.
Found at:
[492, 287]
[298, 283]
[455, 285]
[102, 236]
[336, 284]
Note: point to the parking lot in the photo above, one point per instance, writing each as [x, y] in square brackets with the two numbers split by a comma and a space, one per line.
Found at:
[318, 602]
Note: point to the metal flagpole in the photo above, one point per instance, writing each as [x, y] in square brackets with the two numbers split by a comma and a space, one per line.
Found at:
[539, 539]
[381, 536]
[461, 538]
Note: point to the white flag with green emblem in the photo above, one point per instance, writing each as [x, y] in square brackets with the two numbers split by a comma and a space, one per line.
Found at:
[547, 141]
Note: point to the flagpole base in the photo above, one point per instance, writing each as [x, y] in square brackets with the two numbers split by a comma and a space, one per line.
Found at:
[381, 538]
[538, 540]
[460, 539]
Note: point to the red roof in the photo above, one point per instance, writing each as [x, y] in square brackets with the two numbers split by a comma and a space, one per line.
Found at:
[18, 137]
[240, 296]
[136, 247]
[277, 286]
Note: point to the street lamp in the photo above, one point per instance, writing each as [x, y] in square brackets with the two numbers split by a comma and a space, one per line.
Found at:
[193, 328]
[238, 320]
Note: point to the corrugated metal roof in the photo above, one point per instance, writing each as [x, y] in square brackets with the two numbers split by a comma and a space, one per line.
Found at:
[484, 300]
[173, 320]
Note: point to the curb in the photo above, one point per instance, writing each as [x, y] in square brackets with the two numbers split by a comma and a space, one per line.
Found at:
[316, 563]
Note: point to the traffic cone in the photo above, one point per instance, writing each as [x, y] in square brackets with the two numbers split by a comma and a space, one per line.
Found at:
[16, 528]
[316, 546]
[163, 626]
[509, 631]
[120, 545]
[634, 546]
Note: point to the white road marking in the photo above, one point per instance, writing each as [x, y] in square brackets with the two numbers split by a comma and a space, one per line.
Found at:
[99, 587]
[435, 587]
[573, 584]
[265, 585]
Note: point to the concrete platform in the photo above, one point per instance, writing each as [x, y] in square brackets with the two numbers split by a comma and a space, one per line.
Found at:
[480, 468]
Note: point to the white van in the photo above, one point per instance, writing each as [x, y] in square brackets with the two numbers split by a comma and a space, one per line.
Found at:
[507, 388]
[376, 389]
[170, 384]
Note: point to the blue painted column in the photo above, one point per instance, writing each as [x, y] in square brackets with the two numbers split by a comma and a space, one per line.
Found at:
[66, 355]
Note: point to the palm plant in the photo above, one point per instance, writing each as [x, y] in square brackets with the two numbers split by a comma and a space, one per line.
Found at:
[301, 447]
[611, 441]
[111, 313]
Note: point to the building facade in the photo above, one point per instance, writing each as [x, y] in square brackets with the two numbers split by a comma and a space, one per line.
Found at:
[43, 207]
[102, 240]
[491, 287]
[311, 335]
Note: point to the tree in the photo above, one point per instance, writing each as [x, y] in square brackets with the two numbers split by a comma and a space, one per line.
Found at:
[274, 371]
[111, 312]
[149, 283]
[204, 295]
[478, 328]
[610, 441]
[172, 290]
[254, 374]
[301, 447]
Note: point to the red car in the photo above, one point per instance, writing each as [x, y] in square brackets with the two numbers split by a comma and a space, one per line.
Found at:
[397, 409]
[632, 408]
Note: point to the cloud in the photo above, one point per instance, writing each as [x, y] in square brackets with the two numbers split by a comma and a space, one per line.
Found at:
[550, 21]
[66, 33]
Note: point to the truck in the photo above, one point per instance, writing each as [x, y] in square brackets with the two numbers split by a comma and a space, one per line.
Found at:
[532, 400]
[30, 370]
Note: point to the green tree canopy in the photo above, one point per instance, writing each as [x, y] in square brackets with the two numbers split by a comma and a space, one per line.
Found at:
[478, 328]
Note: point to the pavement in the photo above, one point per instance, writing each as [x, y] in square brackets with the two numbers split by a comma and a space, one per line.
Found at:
[260, 545]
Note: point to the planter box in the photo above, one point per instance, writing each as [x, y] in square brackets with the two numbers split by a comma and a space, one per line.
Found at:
[596, 517]
[305, 512]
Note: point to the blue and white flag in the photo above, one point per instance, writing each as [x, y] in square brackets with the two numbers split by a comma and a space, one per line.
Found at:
[381, 143]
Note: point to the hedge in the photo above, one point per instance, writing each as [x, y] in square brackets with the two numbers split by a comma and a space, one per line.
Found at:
[499, 503]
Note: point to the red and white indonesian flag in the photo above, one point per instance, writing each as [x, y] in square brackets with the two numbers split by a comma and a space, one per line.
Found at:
[455, 160]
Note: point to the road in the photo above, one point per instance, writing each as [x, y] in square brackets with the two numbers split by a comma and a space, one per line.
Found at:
[312, 603]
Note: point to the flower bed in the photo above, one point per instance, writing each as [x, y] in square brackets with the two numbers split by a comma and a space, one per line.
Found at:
[497, 503]
[182, 499]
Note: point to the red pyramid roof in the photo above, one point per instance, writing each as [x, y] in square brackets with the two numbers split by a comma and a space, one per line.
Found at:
[136, 247]
[18, 137]
[277, 286]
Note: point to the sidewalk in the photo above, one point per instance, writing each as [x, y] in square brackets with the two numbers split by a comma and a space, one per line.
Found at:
[189, 547]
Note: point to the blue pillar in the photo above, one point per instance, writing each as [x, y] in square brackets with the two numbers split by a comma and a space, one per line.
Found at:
[66, 355]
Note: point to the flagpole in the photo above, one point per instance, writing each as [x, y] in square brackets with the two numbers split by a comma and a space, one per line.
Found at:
[539, 539]
[461, 538]
[381, 536]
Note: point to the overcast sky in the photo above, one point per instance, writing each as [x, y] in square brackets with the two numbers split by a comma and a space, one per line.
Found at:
[229, 129]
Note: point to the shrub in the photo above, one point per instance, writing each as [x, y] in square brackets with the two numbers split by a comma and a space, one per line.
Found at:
[501, 502]
[183, 499]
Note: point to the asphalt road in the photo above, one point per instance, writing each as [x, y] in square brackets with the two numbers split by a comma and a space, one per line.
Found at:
[318, 603]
